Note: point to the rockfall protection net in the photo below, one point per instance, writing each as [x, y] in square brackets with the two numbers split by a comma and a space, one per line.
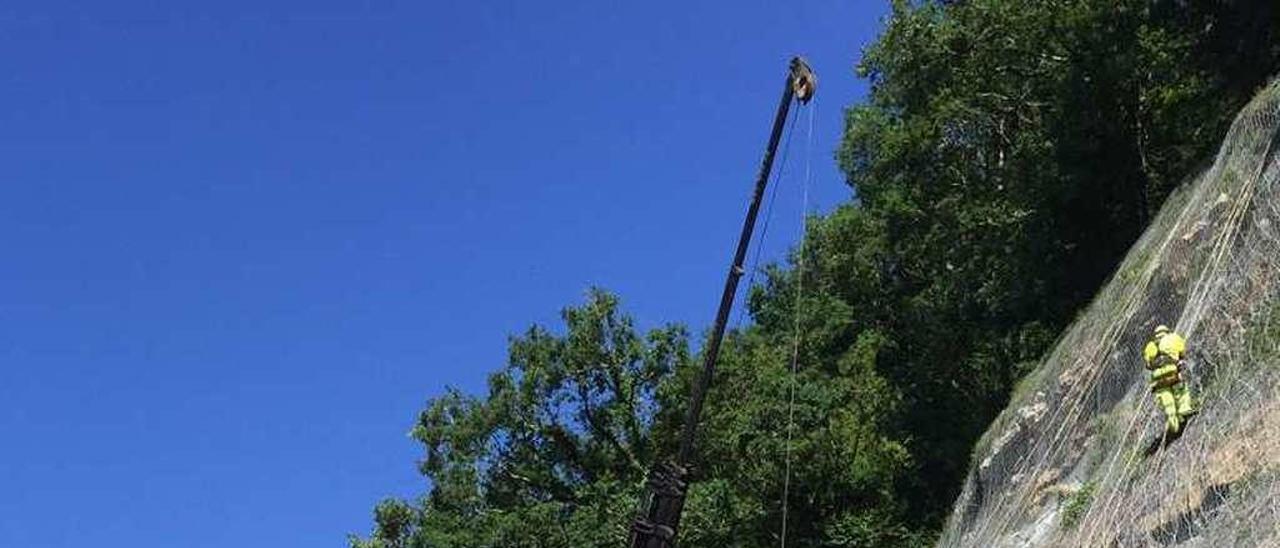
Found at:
[1076, 459]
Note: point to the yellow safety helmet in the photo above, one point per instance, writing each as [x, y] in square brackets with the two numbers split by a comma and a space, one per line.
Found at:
[1161, 329]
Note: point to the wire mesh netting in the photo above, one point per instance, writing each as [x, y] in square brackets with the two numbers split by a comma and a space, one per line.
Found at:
[1080, 458]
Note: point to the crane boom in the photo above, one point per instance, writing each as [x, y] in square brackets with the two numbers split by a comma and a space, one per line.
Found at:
[667, 484]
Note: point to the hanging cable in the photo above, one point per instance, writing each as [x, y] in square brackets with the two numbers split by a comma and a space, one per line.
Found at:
[768, 215]
[796, 310]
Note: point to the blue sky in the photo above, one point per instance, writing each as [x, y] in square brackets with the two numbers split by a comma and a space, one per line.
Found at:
[243, 244]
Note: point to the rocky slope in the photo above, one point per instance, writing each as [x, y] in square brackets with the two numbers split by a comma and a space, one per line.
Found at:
[1077, 458]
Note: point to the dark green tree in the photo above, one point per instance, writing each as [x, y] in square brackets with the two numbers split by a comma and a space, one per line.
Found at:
[556, 453]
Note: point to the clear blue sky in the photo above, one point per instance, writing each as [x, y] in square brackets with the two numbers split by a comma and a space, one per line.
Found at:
[244, 244]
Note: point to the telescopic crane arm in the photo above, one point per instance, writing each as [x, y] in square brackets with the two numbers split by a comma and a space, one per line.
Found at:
[664, 501]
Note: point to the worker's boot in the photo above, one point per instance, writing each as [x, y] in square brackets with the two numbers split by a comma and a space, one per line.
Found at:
[1185, 416]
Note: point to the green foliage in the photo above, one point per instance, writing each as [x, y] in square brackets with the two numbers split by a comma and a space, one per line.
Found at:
[395, 524]
[555, 454]
[1008, 155]
[844, 462]
[1077, 504]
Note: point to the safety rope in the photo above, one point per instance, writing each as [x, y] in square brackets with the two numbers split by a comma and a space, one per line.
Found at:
[796, 333]
[1129, 306]
[1189, 319]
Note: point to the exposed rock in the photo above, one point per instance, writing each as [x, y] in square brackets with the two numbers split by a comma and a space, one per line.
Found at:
[1210, 266]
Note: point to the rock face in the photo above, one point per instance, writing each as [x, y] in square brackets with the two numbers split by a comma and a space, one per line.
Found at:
[1077, 458]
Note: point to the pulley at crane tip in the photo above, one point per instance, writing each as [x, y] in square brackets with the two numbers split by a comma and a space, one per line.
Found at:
[803, 81]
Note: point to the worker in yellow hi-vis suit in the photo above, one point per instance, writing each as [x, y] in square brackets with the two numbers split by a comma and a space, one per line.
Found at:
[1164, 360]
